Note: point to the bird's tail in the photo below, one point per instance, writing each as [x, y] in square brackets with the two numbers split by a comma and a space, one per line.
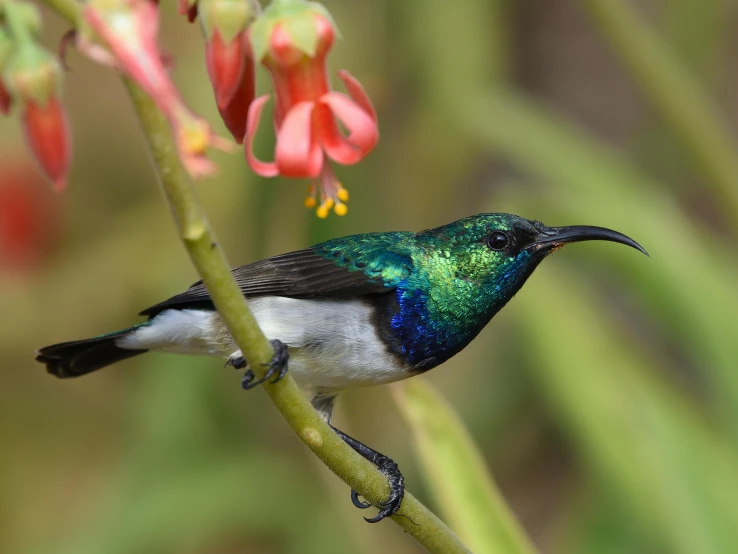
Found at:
[79, 357]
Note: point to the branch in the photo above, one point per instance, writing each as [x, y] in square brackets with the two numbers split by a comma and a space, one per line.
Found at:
[211, 264]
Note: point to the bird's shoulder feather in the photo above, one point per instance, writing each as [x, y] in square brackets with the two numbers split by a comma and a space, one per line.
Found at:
[351, 266]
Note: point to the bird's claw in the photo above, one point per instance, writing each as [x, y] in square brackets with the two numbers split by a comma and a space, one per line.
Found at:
[358, 503]
[277, 367]
[396, 483]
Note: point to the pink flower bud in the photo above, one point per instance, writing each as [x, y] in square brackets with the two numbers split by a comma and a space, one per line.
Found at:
[34, 77]
[47, 133]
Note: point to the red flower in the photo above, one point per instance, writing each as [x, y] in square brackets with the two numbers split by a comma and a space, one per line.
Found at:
[307, 113]
[235, 112]
[129, 28]
[34, 77]
[229, 60]
[47, 133]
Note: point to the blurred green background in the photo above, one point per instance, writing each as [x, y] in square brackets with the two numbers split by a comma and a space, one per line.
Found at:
[604, 398]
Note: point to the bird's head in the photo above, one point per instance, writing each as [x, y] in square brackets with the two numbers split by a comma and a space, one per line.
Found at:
[498, 252]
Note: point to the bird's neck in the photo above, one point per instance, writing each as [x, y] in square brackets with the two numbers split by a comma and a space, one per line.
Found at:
[432, 317]
[425, 330]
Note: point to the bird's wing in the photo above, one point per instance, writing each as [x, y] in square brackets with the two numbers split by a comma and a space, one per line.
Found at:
[328, 270]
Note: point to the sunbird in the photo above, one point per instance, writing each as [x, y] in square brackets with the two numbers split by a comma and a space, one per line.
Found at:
[360, 310]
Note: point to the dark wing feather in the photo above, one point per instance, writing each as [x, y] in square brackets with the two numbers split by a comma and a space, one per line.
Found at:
[301, 274]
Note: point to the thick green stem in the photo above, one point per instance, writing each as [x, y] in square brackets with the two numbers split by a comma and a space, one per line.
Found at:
[212, 266]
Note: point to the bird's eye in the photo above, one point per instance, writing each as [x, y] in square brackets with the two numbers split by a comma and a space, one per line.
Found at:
[498, 240]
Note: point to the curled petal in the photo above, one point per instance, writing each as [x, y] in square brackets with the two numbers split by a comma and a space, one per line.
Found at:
[298, 153]
[357, 92]
[363, 131]
[265, 169]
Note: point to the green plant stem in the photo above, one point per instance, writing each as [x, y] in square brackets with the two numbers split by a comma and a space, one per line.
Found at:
[213, 268]
[676, 94]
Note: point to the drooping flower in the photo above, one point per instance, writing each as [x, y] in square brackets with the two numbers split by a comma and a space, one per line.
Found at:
[34, 78]
[292, 40]
[128, 29]
[228, 59]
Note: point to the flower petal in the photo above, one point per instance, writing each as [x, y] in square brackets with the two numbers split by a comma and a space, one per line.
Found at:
[265, 169]
[363, 131]
[357, 92]
[47, 133]
[235, 114]
[225, 63]
[298, 152]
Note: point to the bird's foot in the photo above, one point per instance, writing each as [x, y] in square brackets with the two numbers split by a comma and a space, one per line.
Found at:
[277, 367]
[389, 468]
[396, 483]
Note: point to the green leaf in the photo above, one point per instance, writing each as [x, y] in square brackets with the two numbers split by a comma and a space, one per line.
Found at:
[676, 94]
[645, 440]
[456, 473]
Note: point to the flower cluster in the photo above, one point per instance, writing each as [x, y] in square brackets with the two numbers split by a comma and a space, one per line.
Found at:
[314, 124]
[292, 44]
[291, 39]
[30, 77]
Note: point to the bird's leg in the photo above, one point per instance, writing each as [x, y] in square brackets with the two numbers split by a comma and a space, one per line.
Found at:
[389, 468]
[277, 367]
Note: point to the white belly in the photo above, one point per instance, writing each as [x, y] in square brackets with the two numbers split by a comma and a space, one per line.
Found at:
[332, 343]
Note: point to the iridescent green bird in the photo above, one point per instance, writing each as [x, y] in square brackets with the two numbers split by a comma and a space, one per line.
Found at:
[355, 311]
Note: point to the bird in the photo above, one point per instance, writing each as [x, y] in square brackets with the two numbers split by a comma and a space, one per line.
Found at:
[355, 311]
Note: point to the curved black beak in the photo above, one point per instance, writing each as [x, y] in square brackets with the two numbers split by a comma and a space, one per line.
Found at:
[556, 237]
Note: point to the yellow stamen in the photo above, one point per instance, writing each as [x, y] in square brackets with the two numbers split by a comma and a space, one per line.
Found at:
[340, 209]
[310, 202]
[195, 137]
[322, 211]
[328, 203]
[342, 194]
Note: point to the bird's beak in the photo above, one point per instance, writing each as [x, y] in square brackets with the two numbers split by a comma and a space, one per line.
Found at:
[552, 238]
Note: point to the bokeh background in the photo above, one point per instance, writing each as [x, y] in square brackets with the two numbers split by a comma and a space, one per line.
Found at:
[604, 398]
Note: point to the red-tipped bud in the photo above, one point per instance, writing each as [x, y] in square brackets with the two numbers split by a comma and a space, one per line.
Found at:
[235, 113]
[47, 133]
[226, 63]
[34, 78]
[229, 60]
